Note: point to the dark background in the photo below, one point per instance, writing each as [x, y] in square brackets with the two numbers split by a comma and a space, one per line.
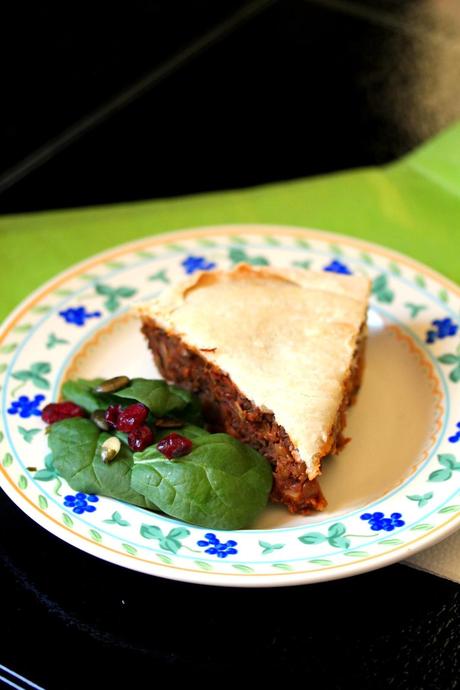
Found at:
[235, 94]
[102, 104]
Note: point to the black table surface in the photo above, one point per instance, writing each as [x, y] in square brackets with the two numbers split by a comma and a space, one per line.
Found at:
[166, 98]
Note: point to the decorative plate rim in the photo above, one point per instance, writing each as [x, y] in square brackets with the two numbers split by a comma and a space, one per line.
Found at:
[425, 540]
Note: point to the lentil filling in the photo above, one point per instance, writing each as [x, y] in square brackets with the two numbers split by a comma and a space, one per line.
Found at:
[227, 409]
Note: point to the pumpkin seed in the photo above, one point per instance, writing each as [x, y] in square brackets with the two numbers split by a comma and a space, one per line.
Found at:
[110, 449]
[169, 423]
[113, 385]
[98, 417]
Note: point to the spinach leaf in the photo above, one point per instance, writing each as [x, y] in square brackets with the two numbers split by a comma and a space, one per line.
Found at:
[220, 484]
[192, 412]
[163, 399]
[81, 393]
[189, 431]
[76, 444]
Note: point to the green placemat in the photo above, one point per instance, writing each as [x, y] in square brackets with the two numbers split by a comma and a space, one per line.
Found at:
[412, 206]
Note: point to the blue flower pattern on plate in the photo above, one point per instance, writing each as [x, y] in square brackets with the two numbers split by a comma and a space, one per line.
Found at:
[79, 502]
[455, 438]
[443, 329]
[26, 407]
[197, 263]
[378, 521]
[78, 315]
[217, 548]
[337, 267]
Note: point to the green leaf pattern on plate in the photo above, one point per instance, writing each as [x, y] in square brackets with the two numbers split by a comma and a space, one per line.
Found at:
[115, 265]
[94, 534]
[116, 519]
[161, 276]
[238, 255]
[336, 537]
[36, 375]
[7, 460]
[114, 295]
[67, 520]
[22, 482]
[204, 242]
[28, 434]
[336, 250]
[41, 309]
[367, 258]
[304, 244]
[449, 509]
[242, 568]
[269, 548]
[391, 542]
[414, 309]
[421, 500]
[453, 360]
[449, 465]
[381, 289]
[8, 349]
[204, 565]
[302, 264]
[53, 340]
[443, 296]
[169, 542]
[48, 473]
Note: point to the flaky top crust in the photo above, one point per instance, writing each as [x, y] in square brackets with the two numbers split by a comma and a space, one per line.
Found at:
[285, 337]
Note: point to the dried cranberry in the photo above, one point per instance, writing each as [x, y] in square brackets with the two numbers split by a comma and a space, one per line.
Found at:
[56, 412]
[174, 445]
[140, 438]
[112, 413]
[132, 417]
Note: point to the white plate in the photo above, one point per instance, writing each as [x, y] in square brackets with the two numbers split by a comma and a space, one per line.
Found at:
[392, 492]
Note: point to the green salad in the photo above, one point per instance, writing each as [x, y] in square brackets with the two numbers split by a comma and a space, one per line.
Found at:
[144, 441]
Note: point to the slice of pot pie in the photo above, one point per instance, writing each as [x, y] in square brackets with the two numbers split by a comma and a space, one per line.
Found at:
[276, 357]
